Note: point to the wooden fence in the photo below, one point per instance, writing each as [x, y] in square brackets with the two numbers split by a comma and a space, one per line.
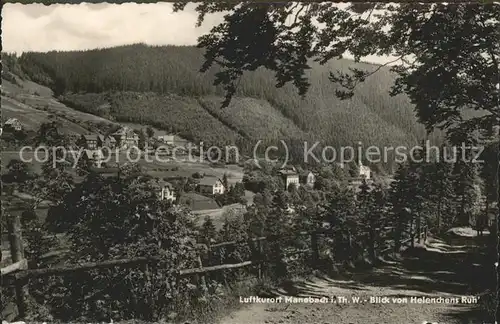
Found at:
[17, 274]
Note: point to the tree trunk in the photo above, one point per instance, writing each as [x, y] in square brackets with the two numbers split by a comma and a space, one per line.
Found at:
[397, 236]
[464, 220]
[439, 215]
[419, 227]
[372, 243]
[412, 231]
[350, 250]
[315, 249]
[487, 216]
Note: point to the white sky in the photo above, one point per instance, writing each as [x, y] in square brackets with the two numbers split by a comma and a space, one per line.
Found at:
[37, 27]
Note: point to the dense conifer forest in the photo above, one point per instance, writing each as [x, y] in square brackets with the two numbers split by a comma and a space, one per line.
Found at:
[163, 86]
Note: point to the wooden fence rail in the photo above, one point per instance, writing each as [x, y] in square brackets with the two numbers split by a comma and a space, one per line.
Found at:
[18, 274]
[16, 266]
[204, 270]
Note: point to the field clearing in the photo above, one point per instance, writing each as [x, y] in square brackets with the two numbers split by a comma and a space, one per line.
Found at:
[32, 118]
[172, 168]
[187, 170]
[159, 168]
[7, 156]
[56, 107]
[218, 215]
[158, 131]
[25, 87]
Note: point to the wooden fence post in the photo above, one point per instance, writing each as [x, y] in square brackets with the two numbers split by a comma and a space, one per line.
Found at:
[351, 252]
[397, 233]
[17, 254]
[202, 276]
[259, 259]
[419, 228]
[209, 253]
[412, 233]
[221, 261]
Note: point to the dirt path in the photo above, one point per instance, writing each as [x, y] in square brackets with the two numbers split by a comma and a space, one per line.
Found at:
[437, 270]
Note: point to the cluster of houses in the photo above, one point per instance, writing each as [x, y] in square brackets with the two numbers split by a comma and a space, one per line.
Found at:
[205, 189]
[292, 177]
[306, 178]
[93, 144]
[123, 138]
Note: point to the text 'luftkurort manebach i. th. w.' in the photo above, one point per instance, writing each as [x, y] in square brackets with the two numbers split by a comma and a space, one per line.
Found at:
[358, 300]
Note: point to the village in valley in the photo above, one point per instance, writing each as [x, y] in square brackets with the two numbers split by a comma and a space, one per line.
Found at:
[104, 154]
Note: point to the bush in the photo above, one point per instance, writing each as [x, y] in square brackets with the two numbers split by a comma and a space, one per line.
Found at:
[130, 230]
[488, 303]
[198, 175]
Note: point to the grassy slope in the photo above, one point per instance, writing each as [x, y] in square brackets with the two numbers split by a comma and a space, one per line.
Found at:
[20, 107]
[34, 104]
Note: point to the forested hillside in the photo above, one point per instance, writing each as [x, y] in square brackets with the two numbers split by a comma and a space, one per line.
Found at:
[162, 86]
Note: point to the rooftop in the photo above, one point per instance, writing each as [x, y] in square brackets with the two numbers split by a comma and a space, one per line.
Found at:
[163, 183]
[11, 121]
[288, 172]
[209, 181]
[198, 202]
[91, 137]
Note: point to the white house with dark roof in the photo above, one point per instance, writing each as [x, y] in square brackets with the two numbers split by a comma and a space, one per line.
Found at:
[90, 141]
[364, 171]
[14, 123]
[211, 186]
[96, 141]
[125, 137]
[308, 179]
[107, 141]
[166, 138]
[290, 176]
[165, 190]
